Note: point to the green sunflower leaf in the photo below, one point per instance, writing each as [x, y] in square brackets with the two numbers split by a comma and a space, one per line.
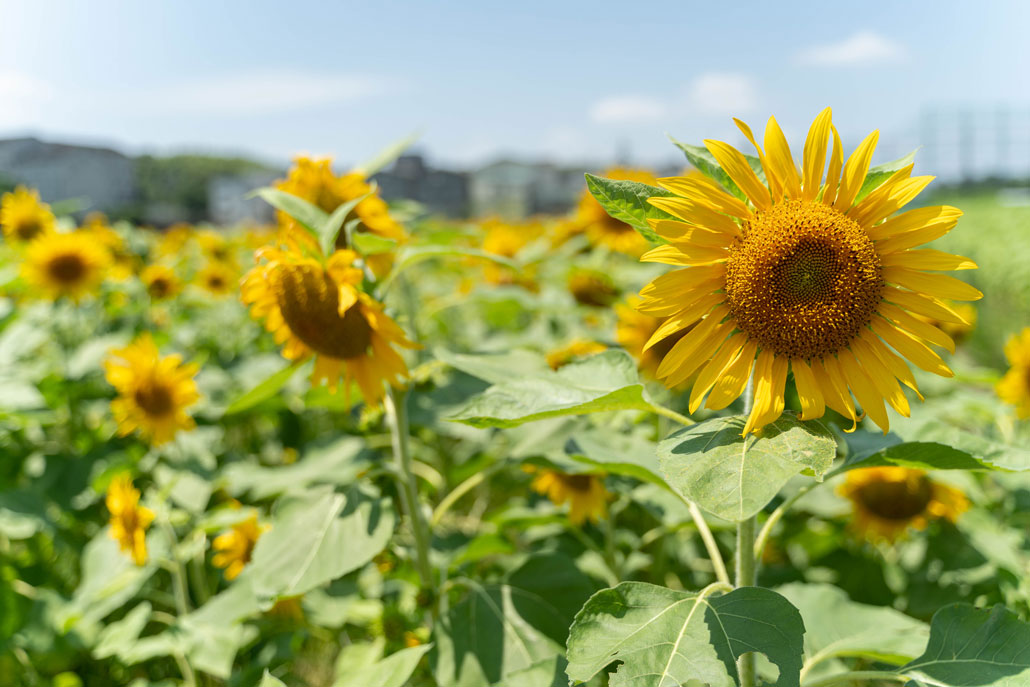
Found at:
[974, 646]
[603, 382]
[329, 230]
[309, 216]
[392, 671]
[617, 453]
[735, 478]
[703, 161]
[668, 637]
[264, 390]
[881, 173]
[387, 155]
[371, 244]
[626, 201]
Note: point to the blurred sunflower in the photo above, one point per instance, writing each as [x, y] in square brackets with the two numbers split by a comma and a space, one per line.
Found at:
[1014, 387]
[603, 229]
[586, 494]
[218, 278]
[153, 391]
[802, 277]
[314, 181]
[123, 262]
[129, 520]
[216, 248]
[236, 546]
[579, 348]
[71, 265]
[507, 239]
[634, 329]
[23, 217]
[318, 310]
[161, 281]
[888, 501]
[173, 240]
[592, 288]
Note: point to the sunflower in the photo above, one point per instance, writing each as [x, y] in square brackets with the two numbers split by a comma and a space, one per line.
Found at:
[634, 329]
[958, 331]
[802, 276]
[1014, 387]
[316, 309]
[23, 216]
[153, 391]
[579, 348]
[218, 278]
[129, 520]
[161, 281]
[123, 262]
[586, 494]
[174, 239]
[887, 501]
[236, 546]
[314, 181]
[602, 229]
[71, 265]
[507, 240]
[592, 288]
[216, 248]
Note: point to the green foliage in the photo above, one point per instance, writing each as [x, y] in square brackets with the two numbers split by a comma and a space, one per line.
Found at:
[663, 636]
[627, 201]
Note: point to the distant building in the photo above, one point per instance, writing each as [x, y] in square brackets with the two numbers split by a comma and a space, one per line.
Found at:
[514, 189]
[441, 192]
[228, 204]
[101, 178]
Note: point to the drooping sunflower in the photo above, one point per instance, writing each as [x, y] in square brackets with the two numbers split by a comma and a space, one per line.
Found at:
[129, 520]
[585, 494]
[314, 181]
[161, 281]
[316, 309]
[1014, 387]
[23, 217]
[578, 348]
[236, 546]
[802, 276]
[218, 278]
[603, 229]
[634, 329]
[153, 391]
[888, 501]
[72, 265]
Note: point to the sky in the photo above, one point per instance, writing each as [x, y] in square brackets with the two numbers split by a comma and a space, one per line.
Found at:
[564, 80]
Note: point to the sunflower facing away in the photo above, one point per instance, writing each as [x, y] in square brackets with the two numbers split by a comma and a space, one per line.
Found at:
[236, 546]
[71, 265]
[802, 277]
[23, 216]
[1014, 387]
[129, 520]
[890, 500]
[586, 494]
[153, 391]
[316, 309]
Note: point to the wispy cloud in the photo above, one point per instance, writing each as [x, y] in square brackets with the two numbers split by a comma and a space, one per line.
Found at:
[863, 47]
[627, 109]
[722, 93]
[265, 92]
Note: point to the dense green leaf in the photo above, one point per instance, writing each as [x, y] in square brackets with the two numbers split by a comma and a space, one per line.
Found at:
[324, 537]
[704, 162]
[626, 201]
[496, 368]
[368, 243]
[972, 646]
[881, 173]
[265, 389]
[269, 680]
[392, 671]
[924, 455]
[734, 478]
[309, 216]
[121, 635]
[511, 633]
[665, 637]
[617, 453]
[989, 452]
[22, 514]
[337, 462]
[836, 627]
[604, 382]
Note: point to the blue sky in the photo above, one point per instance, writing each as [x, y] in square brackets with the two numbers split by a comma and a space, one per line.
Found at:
[574, 81]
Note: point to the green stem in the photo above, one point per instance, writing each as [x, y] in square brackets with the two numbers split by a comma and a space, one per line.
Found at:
[746, 568]
[609, 544]
[672, 415]
[454, 495]
[858, 675]
[711, 546]
[397, 417]
[182, 604]
[775, 516]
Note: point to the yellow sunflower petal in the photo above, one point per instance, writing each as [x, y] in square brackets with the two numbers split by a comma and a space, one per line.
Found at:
[911, 348]
[705, 192]
[938, 285]
[927, 259]
[684, 318]
[733, 380]
[854, 172]
[814, 158]
[833, 171]
[812, 404]
[778, 153]
[736, 166]
[864, 389]
[922, 305]
[692, 213]
[936, 221]
[711, 372]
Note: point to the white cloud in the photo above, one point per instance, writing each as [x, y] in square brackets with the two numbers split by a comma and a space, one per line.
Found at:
[627, 109]
[861, 48]
[722, 93]
[265, 92]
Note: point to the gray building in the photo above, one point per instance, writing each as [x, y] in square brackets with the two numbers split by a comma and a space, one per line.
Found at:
[228, 204]
[100, 178]
[513, 189]
[440, 191]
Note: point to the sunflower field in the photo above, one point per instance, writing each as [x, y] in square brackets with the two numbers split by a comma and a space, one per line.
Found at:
[750, 425]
